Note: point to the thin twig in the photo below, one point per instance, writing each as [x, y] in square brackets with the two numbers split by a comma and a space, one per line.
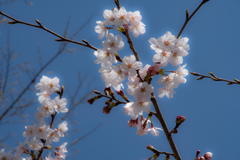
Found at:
[73, 98]
[159, 116]
[76, 141]
[213, 77]
[188, 18]
[108, 97]
[39, 25]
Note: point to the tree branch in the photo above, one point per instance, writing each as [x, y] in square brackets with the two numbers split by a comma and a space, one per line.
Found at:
[213, 77]
[159, 116]
[131, 45]
[39, 25]
[188, 18]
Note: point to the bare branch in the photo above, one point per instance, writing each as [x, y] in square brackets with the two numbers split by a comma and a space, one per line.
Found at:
[213, 77]
[188, 18]
[39, 25]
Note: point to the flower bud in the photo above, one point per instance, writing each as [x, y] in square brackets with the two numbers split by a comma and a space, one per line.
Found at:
[107, 109]
[180, 119]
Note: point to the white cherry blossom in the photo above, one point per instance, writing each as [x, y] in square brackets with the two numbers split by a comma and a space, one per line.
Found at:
[113, 43]
[49, 85]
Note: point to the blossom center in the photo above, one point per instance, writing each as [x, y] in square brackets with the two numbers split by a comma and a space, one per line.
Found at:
[167, 43]
[129, 66]
[175, 54]
[164, 54]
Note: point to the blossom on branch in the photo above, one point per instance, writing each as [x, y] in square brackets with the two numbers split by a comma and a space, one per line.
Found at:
[40, 136]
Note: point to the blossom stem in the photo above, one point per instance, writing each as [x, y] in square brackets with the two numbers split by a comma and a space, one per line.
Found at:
[131, 45]
[188, 18]
[159, 116]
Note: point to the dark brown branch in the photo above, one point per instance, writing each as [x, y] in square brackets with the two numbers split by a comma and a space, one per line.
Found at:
[213, 77]
[188, 18]
[39, 25]
[159, 116]
[131, 45]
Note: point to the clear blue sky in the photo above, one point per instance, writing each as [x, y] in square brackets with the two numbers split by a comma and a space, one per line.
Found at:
[211, 108]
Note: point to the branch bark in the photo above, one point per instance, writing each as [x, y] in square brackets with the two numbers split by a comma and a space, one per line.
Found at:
[160, 117]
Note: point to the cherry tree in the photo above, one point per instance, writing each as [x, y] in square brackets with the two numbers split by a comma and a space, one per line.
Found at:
[129, 83]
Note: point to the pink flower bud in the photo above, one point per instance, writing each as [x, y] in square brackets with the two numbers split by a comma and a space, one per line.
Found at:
[180, 119]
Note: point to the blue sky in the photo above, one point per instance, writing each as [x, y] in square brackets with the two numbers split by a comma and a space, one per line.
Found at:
[211, 108]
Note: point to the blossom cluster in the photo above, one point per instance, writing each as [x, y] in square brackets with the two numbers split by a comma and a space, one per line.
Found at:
[120, 18]
[115, 70]
[42, 134]
[170, 50]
